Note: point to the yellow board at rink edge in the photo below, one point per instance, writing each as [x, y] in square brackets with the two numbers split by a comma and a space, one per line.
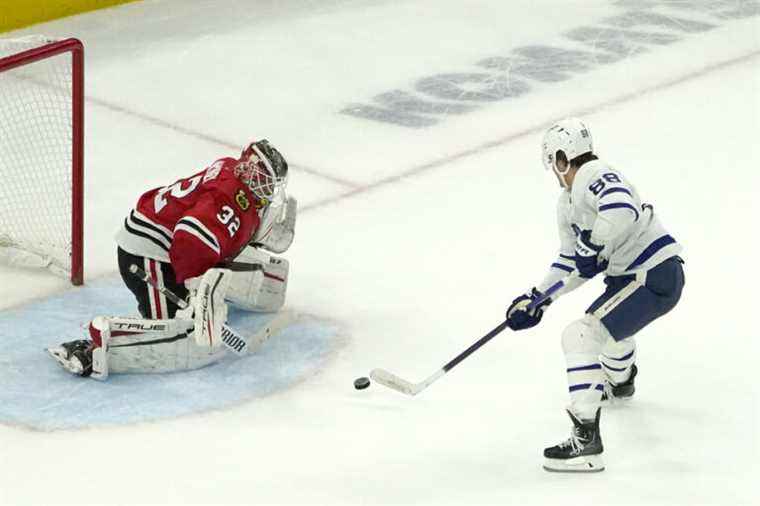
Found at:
[20, 13]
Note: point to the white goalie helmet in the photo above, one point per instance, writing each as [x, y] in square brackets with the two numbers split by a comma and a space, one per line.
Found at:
[264, 170]
[570, 136]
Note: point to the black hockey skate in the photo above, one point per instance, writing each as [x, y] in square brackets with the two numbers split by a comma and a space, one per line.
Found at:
[622, 391]
[74, 356]
[582, 452]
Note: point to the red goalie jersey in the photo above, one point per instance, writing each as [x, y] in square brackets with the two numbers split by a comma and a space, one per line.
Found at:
[194, 223]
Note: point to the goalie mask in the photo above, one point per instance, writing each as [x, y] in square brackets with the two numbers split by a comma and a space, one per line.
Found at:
[264, 170]
[569, 136]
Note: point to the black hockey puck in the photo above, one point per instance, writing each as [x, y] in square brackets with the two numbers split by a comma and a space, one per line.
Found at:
[361, 383]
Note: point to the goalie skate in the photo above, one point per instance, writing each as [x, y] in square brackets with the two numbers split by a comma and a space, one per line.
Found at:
[74, 356]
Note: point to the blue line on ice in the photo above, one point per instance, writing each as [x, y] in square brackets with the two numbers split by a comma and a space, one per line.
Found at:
[36, 393]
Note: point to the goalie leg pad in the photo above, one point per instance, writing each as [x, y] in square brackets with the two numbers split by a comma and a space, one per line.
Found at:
[262, 290]
[136, 345]
[210, 309]
[155, 346]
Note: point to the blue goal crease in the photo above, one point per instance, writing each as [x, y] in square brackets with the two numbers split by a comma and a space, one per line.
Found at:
[36, 393]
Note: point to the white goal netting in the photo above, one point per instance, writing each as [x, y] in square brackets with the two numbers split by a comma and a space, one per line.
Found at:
[36, 157]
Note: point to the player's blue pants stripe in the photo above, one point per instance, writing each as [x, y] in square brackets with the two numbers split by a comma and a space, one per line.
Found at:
[562, 267]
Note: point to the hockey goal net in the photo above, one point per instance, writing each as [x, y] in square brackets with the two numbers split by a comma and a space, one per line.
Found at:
[41, 154]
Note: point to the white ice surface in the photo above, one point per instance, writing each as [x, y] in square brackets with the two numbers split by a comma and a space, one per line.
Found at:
[416, 269]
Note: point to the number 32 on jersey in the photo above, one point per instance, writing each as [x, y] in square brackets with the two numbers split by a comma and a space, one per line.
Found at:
[228, 218]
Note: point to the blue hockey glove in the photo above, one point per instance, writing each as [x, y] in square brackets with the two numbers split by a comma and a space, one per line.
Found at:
[587, 256]
[520, 319]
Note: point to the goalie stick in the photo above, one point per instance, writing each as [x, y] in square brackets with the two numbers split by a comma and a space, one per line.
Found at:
[399, 384]
[231, 339]
[241, 266]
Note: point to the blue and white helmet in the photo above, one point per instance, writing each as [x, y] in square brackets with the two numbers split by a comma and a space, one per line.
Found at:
[570, 136]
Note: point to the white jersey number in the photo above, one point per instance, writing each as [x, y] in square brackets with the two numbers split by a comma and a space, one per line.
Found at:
[228, 218]
[176, 190]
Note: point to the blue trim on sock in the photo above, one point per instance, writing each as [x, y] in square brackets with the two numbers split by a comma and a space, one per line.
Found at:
[622, 358]
[585, 368]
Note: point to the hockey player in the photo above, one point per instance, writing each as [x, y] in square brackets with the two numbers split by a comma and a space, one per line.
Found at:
[185, 236]
[603, 227]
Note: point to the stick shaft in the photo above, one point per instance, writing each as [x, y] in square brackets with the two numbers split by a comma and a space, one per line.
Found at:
[140, 273]
[474, 347]
[552, 290]
[401, 385]
[394, 382]
[241, 266]
[497, 330]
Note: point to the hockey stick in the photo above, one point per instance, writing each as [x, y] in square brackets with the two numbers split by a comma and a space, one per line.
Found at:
[398, 384]
[241, 266]
[231, 339]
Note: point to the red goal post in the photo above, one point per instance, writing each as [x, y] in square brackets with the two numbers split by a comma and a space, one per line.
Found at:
[42, 153]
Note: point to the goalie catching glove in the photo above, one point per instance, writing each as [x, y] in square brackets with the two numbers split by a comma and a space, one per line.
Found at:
[259, 281]
[277, 228]
[520, 319]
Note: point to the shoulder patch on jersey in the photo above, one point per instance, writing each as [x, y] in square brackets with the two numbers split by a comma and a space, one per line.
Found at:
[242, 200]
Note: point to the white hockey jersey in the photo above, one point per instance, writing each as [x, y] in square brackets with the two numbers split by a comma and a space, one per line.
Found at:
[603, 201]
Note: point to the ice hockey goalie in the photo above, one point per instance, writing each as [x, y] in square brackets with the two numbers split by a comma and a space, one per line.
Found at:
[207, 238]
